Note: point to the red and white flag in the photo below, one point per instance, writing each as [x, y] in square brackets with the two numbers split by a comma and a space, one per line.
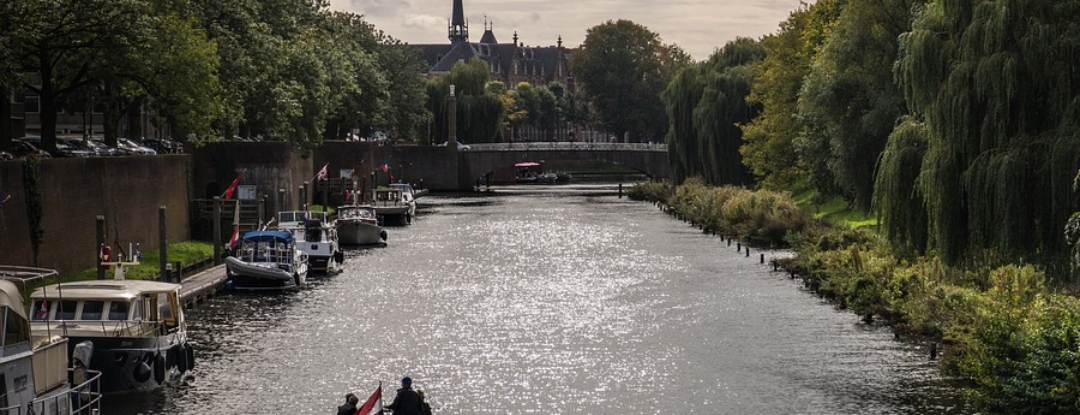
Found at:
[322, 173]
[236, 226]
[373, 405]
[232, 187]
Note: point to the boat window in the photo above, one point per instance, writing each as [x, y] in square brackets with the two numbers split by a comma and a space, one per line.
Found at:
[41, 310]
[16, 329]
[165, 311]
[91, 310]
[67, 310]
[118, 310]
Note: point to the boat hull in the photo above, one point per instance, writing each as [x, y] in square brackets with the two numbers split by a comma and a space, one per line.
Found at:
[355, 232]
[261, 276]
[137, 364]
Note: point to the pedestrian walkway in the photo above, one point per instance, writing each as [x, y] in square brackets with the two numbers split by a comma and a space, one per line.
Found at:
[203, 284]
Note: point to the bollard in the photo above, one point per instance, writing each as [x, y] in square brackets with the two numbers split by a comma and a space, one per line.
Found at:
[933, 350]
[775, 266]
[179, 271]
[738, 247]
[620, 190]
[748, 252]
[729, 242]
[762, 258]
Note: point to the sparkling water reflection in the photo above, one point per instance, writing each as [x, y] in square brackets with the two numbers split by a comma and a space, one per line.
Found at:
[553, 300]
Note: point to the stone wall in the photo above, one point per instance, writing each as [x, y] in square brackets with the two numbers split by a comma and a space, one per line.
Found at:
[126, 190]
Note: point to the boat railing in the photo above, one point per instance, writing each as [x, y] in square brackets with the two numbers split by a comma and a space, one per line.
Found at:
[83, 398]
[267, 255]
[115, 328]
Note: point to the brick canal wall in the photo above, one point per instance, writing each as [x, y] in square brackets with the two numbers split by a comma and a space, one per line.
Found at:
[126, 190]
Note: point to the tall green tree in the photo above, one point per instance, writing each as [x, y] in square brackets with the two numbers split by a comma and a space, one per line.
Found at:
[706, 103]
[998, 89]
[770, 139]
[849, 101]
[480, 113]
[623, 67]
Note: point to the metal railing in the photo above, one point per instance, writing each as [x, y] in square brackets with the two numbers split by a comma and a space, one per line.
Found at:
[567, 145]
[81, 399]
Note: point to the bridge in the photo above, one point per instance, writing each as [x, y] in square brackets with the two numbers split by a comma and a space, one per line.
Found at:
[479, 160]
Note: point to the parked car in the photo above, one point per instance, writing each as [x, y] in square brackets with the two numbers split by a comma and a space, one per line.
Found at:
[5, 156]
[460, 146]
[64, 148]
[134, 147]
[163, 146]
[21, 148]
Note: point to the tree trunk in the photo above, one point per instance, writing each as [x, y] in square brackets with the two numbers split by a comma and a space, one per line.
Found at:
[48, 97]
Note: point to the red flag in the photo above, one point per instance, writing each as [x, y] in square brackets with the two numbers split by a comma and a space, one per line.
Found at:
[232, 187]
[321, 175]
[373, 405]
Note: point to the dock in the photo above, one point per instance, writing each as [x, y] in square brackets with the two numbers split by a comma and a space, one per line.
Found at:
[198, 287]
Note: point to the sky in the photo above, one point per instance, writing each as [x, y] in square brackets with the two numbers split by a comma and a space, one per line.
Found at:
[697, 26]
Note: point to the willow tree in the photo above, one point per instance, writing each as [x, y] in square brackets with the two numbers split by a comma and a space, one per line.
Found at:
[706, 103]
[480, 113]
[849, 101]
[997, 85]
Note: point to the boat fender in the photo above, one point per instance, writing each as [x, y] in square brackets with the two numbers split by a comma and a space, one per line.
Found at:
[142, 372]
[339, 256]
[296, 277]
[159, 368]
[189, 353]
[172, 357]
[181, 358]
[382, 234]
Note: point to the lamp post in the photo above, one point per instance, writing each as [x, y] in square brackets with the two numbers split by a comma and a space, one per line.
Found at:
[452, 115]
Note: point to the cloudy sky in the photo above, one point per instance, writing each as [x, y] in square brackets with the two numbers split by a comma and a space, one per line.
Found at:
[698, 26]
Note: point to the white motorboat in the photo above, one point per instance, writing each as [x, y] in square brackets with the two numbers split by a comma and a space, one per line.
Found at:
[267, 260]
[358, 225]
[34, 372]
[136, 329]
[394, 206]
[315, 236]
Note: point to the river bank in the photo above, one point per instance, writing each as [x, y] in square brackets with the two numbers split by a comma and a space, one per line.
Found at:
[1011, 335]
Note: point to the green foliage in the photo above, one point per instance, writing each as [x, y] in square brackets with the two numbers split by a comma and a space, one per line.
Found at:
[31, 167]
[848, 102]
[480, 113]
[652, 192]
[705, 104]
[622, 68]
[997, 88]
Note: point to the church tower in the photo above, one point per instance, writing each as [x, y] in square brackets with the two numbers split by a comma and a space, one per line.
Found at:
[459, 28]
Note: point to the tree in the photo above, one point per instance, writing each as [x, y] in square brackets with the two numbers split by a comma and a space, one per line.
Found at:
[61, 41]
[770, 139]
[480, 114]
[622, 67]
[849, 101]
[706, 103]
[998, 90]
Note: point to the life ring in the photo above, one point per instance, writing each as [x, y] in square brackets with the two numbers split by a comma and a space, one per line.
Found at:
[159, 368]
[189, 353]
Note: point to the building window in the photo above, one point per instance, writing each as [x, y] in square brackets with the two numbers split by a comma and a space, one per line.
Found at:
[33, 102]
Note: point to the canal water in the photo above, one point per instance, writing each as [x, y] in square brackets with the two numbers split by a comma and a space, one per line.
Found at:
[549, 300]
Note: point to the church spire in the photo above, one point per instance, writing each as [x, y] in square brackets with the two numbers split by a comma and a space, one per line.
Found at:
[459, 28]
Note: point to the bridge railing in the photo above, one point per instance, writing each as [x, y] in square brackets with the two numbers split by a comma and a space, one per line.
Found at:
[567, 145]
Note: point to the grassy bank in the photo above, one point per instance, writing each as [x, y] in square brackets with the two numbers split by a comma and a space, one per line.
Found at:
[186, 253]
[1001, 328]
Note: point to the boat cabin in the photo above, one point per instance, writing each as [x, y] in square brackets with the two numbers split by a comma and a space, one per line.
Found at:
[111, 308]
[25, 375]
[267, 246]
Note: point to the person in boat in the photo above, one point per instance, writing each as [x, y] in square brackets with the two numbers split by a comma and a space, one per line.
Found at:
[407, 402]
[425, 409]
[349, 407]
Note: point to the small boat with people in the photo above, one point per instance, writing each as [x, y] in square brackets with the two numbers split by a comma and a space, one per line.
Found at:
[267, 260]
[357, 224]
[135, 329]
[35, 377]
[316, 235]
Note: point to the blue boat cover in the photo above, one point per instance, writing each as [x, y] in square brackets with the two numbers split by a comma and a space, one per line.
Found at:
[269, 235]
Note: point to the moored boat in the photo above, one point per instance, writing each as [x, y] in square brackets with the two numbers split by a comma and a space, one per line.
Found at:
[358, 225]
[136, 328]
[34, 369]
[267, 260]
[393, 206]
[315, 236]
